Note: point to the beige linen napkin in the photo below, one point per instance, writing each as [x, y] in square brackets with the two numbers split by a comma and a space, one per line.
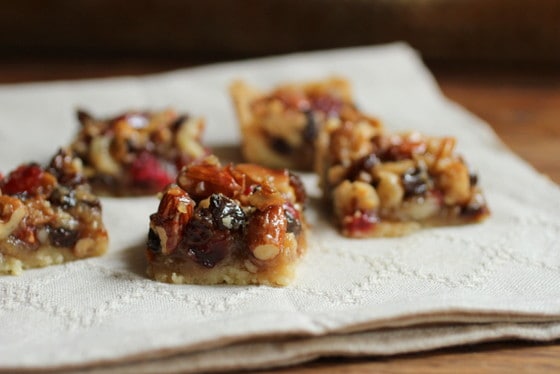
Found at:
[439, 287]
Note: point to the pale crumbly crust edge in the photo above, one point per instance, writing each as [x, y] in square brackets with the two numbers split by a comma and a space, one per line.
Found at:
[46, 256]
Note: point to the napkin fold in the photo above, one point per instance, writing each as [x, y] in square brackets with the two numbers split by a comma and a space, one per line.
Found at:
[439, 287]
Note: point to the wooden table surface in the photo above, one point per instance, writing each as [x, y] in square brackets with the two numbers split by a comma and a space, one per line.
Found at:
[523, 107]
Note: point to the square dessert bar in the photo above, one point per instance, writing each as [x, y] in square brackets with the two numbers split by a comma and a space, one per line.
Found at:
[235, 224]
[137, 153]
[381, 184]
[48, 216]
[279, 127]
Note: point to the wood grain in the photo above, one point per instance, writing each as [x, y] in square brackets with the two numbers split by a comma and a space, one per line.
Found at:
[523, 107]
[480, 30]
[486, 358]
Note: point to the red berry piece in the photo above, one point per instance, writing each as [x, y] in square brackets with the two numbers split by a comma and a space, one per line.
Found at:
[327, 104]
[148, 170]
[361, 223]
[29, 179]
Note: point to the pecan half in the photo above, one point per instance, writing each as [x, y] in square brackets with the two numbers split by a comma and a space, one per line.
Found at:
[204, 179]
[174, 212]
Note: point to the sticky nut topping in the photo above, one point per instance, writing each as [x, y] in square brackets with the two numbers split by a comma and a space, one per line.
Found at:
[141, 151]
[49, 206]
[400, 166]
[242, 210]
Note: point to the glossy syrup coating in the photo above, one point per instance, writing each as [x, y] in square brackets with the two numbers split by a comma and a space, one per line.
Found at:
[137, 152]
[242, 223]
[280, 126]
[48, 215]
[390, 184]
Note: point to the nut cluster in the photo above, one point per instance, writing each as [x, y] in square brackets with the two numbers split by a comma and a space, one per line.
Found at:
[215, 212]
[374, 175]
[280, 127]
[50, 207]
[139, 151]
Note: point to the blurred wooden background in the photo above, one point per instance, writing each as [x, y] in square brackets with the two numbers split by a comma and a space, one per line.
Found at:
[497, 31]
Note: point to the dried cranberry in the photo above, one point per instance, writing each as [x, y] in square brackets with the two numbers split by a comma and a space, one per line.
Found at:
[327, 104]
[147, 170]
[361, 223]
[62, 237]
[25, 179]
[213, 252]
[204, 242]
[226, 213]
[200, 228]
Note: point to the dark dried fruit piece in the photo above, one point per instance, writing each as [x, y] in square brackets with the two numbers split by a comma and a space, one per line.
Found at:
[311, 128]
[63, 237]
[416, 182]
[473, 179]
[204, 242]
[226, 213]
[280, 146]
[63, 197]
[154, 243]
[252, 234]
[292, 219]
[364, 164]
